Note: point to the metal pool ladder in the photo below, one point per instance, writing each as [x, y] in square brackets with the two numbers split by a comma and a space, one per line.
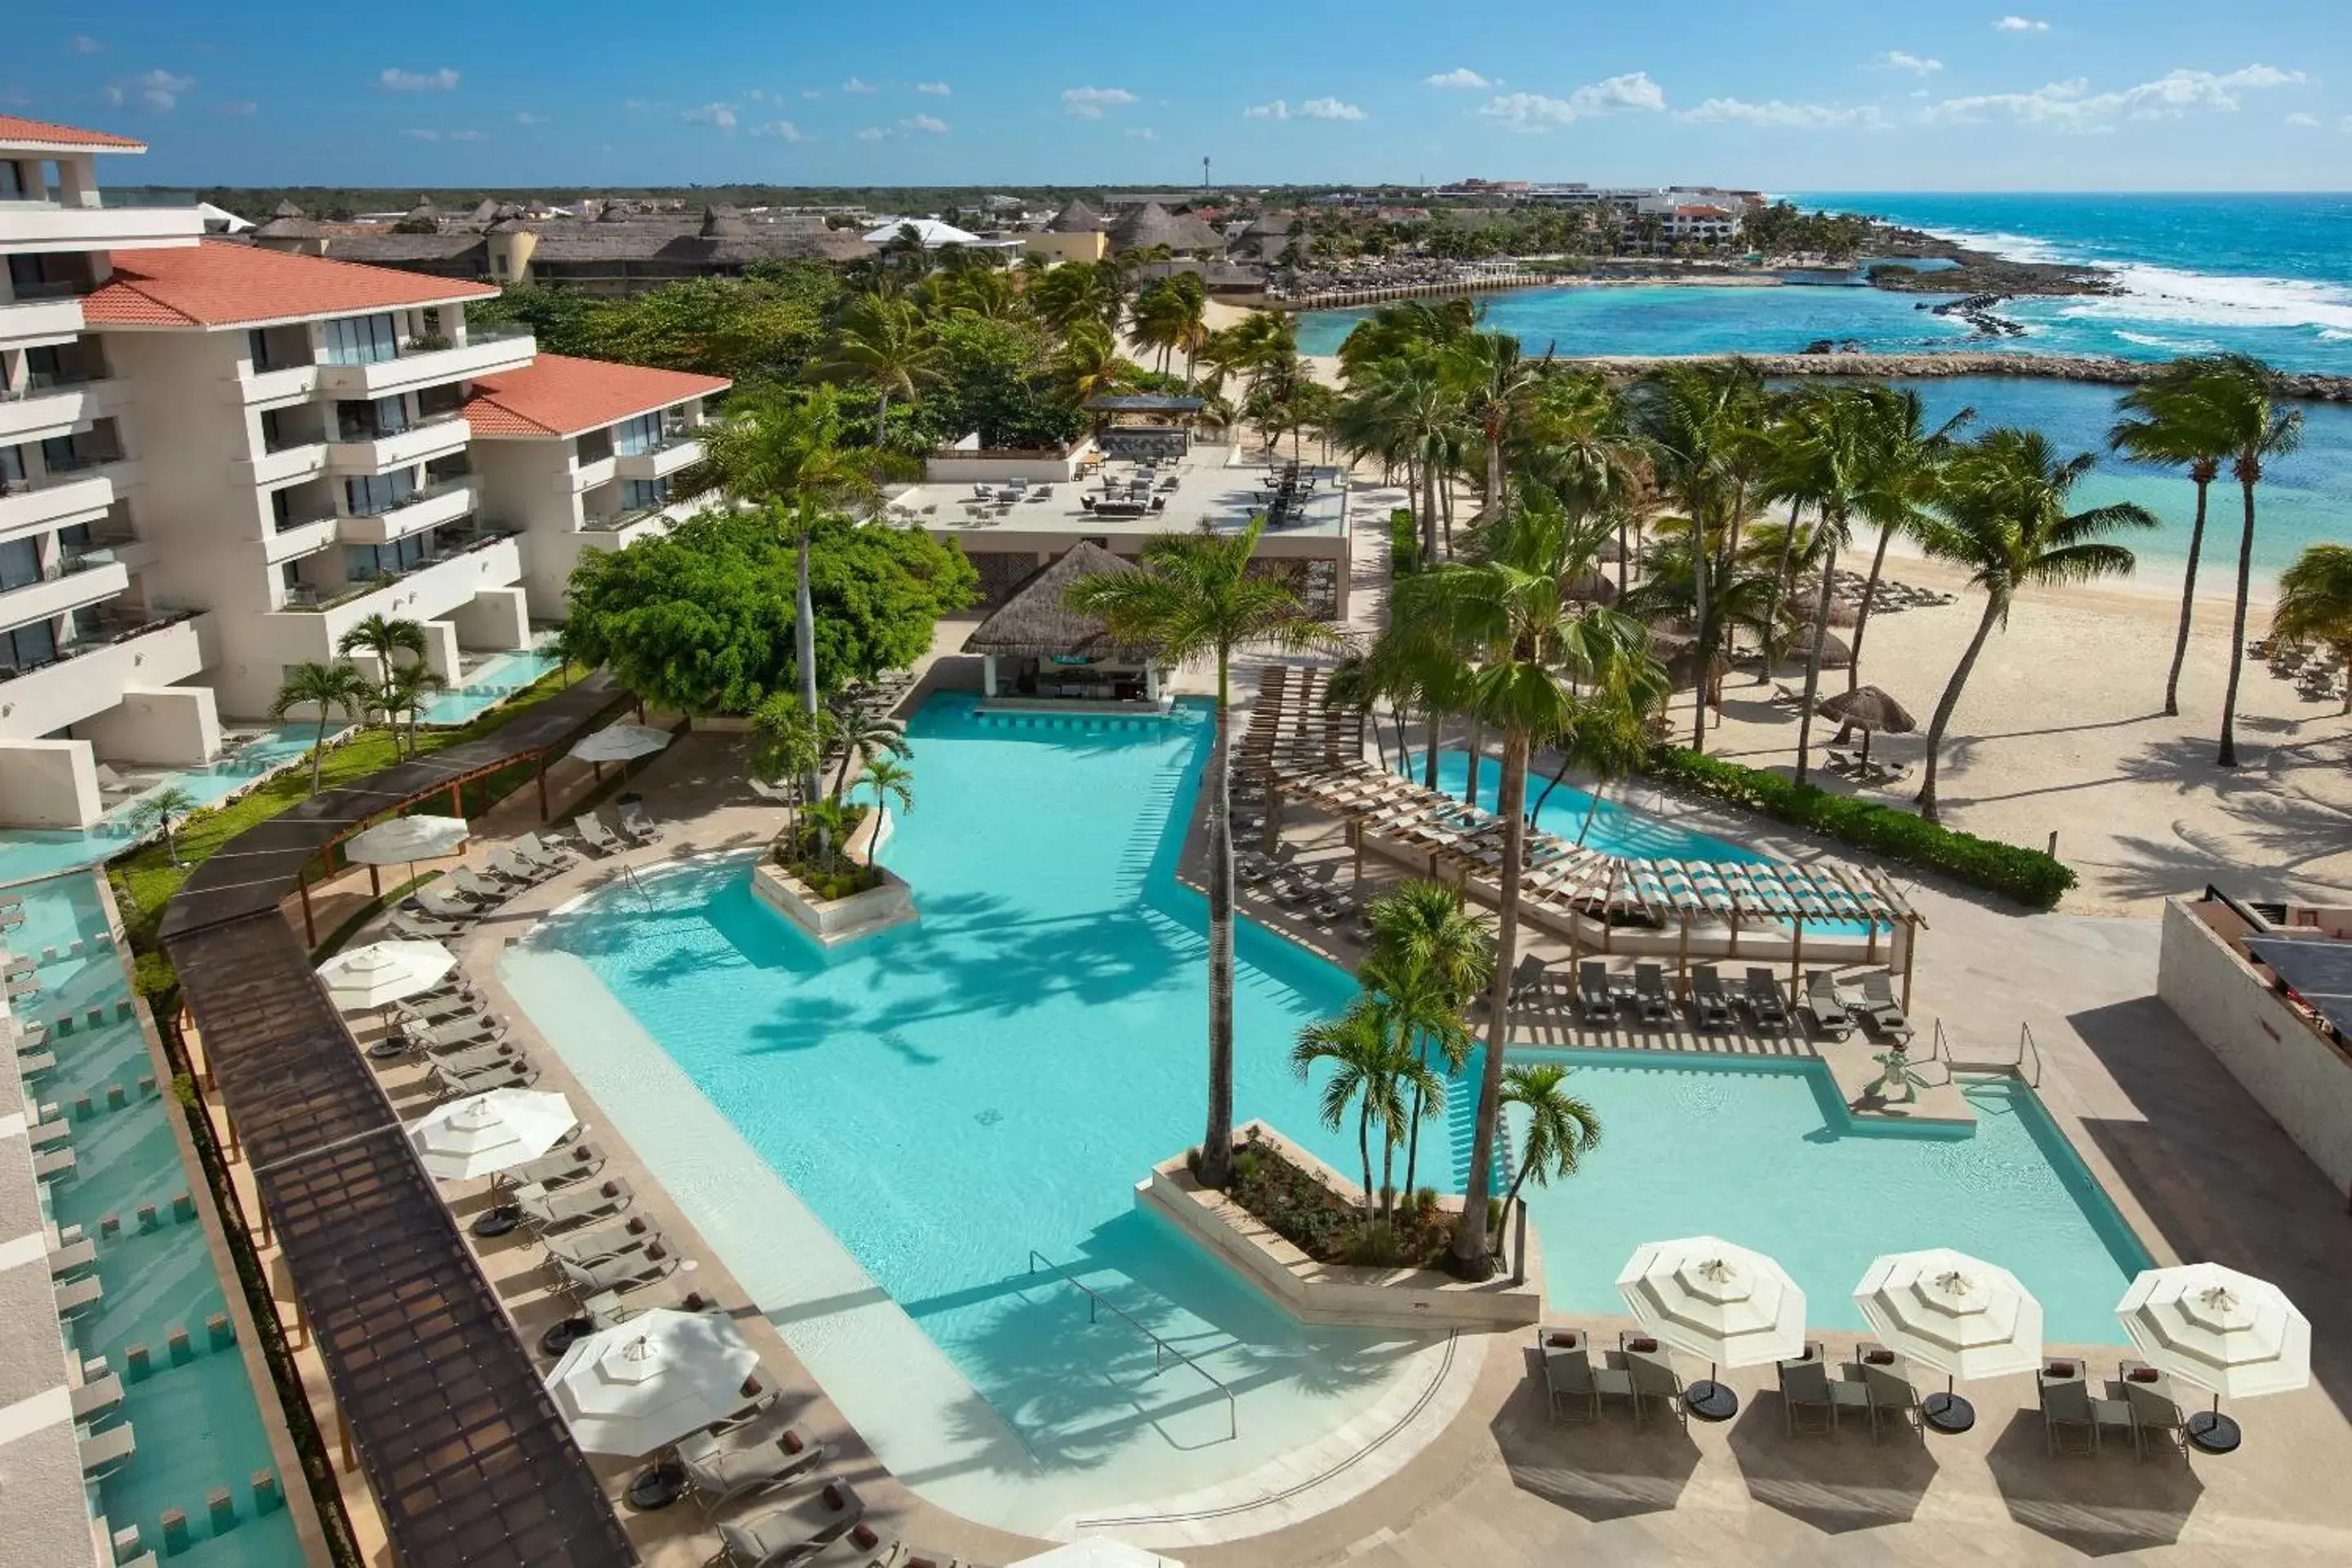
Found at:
[1160, 1349]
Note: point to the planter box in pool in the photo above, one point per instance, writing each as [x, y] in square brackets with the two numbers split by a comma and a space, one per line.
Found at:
[1332, 1292]
[835, 920]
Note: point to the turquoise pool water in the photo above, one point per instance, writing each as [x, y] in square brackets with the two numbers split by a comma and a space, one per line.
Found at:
[1762, 1154]
[494, 681]
[194, 1414]
[27, 852]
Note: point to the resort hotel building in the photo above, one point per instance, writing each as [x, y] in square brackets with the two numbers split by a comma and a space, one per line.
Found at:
[217, 459]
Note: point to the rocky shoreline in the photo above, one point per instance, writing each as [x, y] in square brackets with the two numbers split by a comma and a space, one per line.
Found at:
[1962, 361]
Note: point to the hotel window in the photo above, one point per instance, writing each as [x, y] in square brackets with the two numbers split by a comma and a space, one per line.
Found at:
[12, 466]
[635, 436]
[256, 348]
[12, 181]
[371, 421]
[364, 563]
[369, 495]
[639, 493]
[361, 340]
[20, 563]
[29, 647]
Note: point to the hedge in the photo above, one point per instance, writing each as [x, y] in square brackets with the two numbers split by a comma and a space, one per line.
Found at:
[2028, 875]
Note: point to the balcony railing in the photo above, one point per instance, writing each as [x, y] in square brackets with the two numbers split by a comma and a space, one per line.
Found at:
[614, 522]
[110, 631]
[308, 519]
[669, 439]
[51, 288]
[357, 431]
[305, 597]
[69, 471]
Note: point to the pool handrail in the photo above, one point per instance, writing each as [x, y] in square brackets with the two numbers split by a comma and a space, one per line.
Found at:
[2026, 1047]
[1159, 1346]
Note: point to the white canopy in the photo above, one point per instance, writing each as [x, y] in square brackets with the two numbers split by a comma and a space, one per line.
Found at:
[621, 743]
[2220, 1330]
[406, 838]
[483, 1134]
[931, 230]
[1960, 1315]
[641, 1385]
[383, 973]
[1712, 1299]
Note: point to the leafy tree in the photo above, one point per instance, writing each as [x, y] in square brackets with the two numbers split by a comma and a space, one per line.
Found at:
[789, 743]
[2314, 602]
[326, 687]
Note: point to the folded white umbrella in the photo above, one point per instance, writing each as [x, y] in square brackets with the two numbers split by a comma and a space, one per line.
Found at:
[1719, 1302]
[406, 838]
[621, 743]
[483, 1134]
[383, 973]
[643, 1384]
[2217, 1330]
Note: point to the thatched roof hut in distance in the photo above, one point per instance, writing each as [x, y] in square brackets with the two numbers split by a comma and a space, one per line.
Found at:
[1152, 223]
[1038, 653]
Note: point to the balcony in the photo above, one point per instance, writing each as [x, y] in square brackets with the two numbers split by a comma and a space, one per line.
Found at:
[674, 452]
[285, 463]
[445, 582]
[157, 647]
[57, 225]
[57, 500]
[431, 507]
[281, 384]
[90, 577]
[589, 474]
[47, 406]
[418, 365]
[435, 437]
[299, 536]
[34, 320]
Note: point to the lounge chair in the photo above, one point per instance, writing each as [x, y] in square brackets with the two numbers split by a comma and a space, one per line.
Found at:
[434, 1007]
[420, 928]
[545, 848]
[479, 888]
[637, 825]
[595, 837]
[504, 862]
[1654, 1378]
[568, 1207]
[490, 1057]
[2068, 1424]
[1650, 991]
[1592, 991]
[1710, 1006]
[622, 1272]
[1894, 1401]
[96, 1399]
[445, 907]
[1880, 1008]
[790, 1530]
[600, 1243]
[2156, 1419]
[560, 1169]
[1826, 1006]
[762, 1452]
[1527, 979]
[462, 1033]
[107, 1452]
[1766, 1000]
[1813, 1399]
[515, 1072]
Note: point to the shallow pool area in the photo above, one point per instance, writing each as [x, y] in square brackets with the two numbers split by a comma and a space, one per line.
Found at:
[163, 1323]
[487, 684]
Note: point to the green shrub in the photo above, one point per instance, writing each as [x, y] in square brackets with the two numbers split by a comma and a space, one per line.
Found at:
[1405, 543]
[2029, 876]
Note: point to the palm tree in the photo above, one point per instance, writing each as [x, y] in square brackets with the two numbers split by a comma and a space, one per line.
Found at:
[1196, 597]
[2314, 602]
[412, 686]
[2242, 394]
[1612, 738]
[860, 731]
[1371, 1065]
[2165, 423]
[384, 638]
[1695, 418]
[1497, 381]
[1820, 458]
[2003, 516]
[1088, 361]
[164, 808]
[325, 687]
[885, 779]
[882, 343]
[1078, 291]
[1904, 468]
[1432, 955]
[1513, 609]
[1561, 1129]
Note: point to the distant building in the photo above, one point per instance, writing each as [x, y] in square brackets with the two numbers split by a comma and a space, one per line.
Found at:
[1076, 233]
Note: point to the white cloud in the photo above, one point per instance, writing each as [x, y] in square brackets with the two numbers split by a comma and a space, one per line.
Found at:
[1088, 102]
[2019, 25]
[525, 117]
[1460, 75]
[854, 85]
[83, 44]
[1329, 109]
[395, 80]
[722, 115]
[2303, 122]
[1902, 60]
[782, 130]
[416, 134]
[469, 136]
[157, 89]
[1533, 111]
[936, 89]
[1799, 116]
[1277, 109]
[923, 124]
[2072, 105]
[872, 134]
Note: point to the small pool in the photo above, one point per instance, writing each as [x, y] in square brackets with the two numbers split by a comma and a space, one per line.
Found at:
[489, 683]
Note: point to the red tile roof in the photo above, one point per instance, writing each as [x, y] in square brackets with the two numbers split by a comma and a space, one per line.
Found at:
[16, 131]
[223, 284]
[558, 395]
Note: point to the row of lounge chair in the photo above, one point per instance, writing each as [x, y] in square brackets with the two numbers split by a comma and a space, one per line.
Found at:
[464, 1045]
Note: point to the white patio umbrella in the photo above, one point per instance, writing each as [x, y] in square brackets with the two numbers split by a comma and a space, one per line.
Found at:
[1959, 1315]
[383, 973]
[483, 1134]
[621, 743]
[2220, 1330]
[405, 840]
[641, 1385]
[1720, 1303]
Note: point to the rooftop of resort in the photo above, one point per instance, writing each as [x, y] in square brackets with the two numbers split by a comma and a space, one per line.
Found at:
[559, 396]
[222, 284]
[1194, 486]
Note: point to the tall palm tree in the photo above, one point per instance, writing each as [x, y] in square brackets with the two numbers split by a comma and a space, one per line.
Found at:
[412, 685]
[1903, 471]
[1432, 956]
[882, 343]
[1561, 1129]
[1078, 291]
[1496, 382]
[1371, 1065]
[162, 808]
[1196, 598]
[2242, 395]
[885, 779]
[2165, 423]
[1695, 418]
[1515, 607]
[384, 638]
[2314, 602]
[1821, 459]
[326, 687]
[2003, 517]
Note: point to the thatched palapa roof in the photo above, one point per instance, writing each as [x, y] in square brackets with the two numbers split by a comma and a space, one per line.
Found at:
[1075, 219]
[1035, 620]
[1152, 223]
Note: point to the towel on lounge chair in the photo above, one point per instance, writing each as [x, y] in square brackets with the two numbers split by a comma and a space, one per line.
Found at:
[1884, 1013]
[1765, 998]
[1708, 1001]
[1592, 991]
[568, 1207]
[1826, 1006]
[1650, 991]
[418, 928]
[791, 1531]
[768, 1449]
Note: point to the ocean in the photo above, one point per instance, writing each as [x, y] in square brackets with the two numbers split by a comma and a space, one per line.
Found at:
[2268, 275]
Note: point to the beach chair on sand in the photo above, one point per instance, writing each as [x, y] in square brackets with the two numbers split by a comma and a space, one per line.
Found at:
[1766, 1001]
[594, 836]
[1880, 1008]
[1592, 992]
[1709, 1005]
[1826, 1006]
[1650, 993]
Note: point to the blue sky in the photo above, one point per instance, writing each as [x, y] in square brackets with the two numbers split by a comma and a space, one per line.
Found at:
[1789, 95]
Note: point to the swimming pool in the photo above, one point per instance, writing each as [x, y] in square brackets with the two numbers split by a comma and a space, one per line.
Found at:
[878, 1137]
[194, 1414]
[491, 682]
